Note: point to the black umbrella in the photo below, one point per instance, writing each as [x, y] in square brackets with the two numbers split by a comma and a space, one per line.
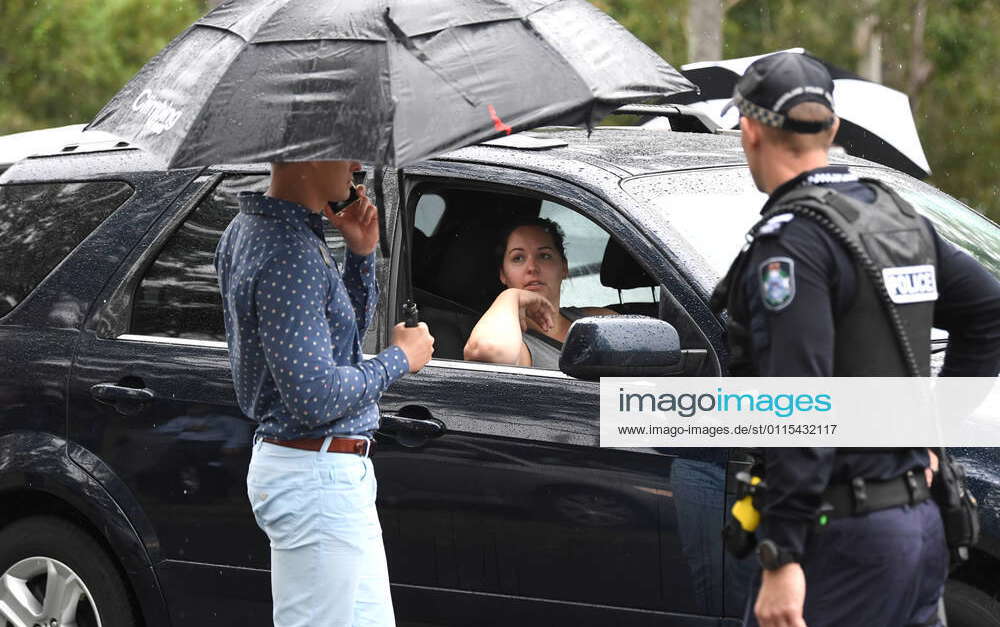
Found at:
[388, 81]
[876, 122]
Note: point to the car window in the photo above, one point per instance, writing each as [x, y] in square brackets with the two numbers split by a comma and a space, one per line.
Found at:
[430, 209]
[42, 224]
[585, 246]
[712, 210]
[454, 261]
[954, 221]
[178, 295]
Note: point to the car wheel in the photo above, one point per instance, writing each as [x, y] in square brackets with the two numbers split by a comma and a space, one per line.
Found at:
[54, 574]
[970, 607]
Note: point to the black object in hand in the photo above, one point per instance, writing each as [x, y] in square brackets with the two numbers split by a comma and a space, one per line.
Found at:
[358, 178]
[411, 315]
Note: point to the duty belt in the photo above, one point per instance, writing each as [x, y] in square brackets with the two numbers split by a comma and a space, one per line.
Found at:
[862, 496]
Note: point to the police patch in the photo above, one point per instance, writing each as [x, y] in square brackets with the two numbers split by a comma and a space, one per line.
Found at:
[777, 282]
[911, 284]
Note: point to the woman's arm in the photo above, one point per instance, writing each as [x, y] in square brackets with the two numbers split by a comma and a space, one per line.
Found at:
[496, 338]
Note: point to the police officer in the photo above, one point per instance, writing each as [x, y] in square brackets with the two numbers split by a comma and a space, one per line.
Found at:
[848, 536]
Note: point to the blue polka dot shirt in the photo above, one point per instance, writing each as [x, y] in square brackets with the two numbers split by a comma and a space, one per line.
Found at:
[294, 325]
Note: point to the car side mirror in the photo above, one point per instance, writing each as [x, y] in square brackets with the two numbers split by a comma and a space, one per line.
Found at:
[622, 346]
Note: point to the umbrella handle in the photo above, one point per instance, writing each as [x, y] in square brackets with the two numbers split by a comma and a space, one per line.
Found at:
[411, 314]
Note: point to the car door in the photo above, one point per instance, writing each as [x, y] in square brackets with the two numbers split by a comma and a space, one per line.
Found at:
[497, 502]
[152, 404]
[43, 293]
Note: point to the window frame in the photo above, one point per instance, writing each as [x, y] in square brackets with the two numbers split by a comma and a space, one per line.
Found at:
[498, 179]
[27, 298]
[115, 320]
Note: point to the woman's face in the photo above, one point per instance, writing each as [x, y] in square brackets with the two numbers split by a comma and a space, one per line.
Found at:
[532, 262]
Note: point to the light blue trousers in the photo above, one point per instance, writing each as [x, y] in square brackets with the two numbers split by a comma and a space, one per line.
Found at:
[327, 559]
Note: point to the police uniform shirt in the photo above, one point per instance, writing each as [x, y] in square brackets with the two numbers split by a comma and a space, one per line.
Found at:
[798, 280]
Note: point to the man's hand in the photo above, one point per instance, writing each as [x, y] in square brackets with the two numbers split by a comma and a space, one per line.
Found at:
[781, 598]
[358, 223]
[535, 307]
[416, 342]
[932, 468]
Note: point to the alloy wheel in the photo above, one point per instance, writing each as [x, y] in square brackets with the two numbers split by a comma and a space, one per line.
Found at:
[43, 592]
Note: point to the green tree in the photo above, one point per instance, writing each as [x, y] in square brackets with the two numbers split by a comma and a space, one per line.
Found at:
[959, 109]
[946, 63]
[657, 23]
[61, 60]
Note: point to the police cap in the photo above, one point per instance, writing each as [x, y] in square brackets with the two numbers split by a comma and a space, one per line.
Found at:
[774, 84]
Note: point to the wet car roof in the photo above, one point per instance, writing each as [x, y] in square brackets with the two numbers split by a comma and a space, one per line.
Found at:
[620, 152]
[627, 151]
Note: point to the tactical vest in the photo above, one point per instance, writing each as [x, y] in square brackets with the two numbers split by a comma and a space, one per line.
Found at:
[886, 330]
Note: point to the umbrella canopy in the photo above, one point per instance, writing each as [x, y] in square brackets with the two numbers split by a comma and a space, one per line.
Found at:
[387, 81]
[876, 122]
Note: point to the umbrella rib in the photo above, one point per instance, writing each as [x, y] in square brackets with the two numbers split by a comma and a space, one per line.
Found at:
[389, 151]
[531, 27]
[223, 29]
[246, 43]
[411, 45]
[201, 109]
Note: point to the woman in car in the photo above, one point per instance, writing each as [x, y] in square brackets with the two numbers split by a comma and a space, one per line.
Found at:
[525, 325]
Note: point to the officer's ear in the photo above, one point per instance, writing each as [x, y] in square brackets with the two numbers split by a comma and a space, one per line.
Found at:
[750, 133]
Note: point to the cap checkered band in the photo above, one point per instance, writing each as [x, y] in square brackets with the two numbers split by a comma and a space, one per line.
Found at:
[757, 112]
[777, 120]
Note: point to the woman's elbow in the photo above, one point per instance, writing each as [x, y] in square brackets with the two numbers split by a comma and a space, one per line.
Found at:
[490, 351]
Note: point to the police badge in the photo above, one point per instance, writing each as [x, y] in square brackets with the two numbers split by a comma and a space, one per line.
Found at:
[777, 282]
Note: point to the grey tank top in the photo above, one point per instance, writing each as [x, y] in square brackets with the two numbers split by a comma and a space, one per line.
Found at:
[543, 349]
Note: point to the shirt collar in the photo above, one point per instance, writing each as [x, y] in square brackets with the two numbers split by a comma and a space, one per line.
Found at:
[826, 175]
[256, 203]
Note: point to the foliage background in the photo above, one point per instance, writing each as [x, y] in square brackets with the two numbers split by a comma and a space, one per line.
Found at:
[61, 60]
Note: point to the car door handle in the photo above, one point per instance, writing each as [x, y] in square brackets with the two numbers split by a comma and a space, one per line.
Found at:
[412, 425]
[420, 427]
[111, 392]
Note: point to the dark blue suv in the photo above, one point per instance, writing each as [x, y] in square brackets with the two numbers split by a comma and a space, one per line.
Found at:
[123, 454]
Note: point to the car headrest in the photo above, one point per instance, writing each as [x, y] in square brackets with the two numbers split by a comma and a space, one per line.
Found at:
[463, 264]
[620, 271]
[466, 271]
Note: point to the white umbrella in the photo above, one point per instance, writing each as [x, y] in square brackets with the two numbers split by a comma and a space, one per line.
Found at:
[876, 121]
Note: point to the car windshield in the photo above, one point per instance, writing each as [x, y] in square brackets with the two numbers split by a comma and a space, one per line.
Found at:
[711, 210]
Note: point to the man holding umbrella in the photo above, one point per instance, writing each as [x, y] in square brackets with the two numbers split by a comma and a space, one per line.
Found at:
[847, 536]
[294, 325]
[303, 85]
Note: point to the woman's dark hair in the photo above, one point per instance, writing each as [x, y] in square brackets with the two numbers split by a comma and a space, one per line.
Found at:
[549, 226]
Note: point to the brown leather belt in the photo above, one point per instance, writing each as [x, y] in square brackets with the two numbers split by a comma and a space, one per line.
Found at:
[355, 446]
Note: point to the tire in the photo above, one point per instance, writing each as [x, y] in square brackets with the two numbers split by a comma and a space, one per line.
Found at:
[40, 551]
[970, 607]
